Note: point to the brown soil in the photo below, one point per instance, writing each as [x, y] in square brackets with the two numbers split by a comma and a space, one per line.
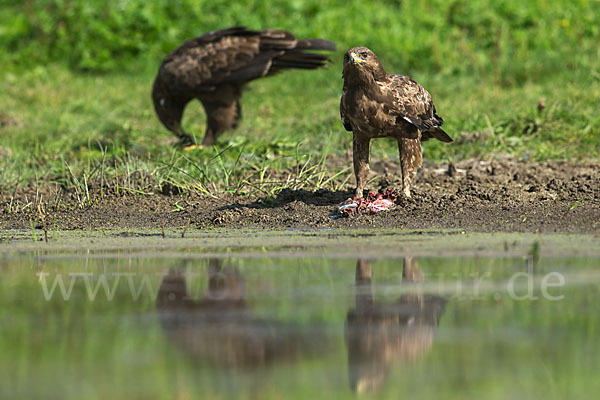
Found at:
[500, 195]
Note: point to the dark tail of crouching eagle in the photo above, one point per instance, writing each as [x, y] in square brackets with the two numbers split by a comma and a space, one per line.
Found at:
[214, 68]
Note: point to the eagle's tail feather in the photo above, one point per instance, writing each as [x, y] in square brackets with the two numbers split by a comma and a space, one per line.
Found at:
[439, 134]
[300, 59]
[315, 44]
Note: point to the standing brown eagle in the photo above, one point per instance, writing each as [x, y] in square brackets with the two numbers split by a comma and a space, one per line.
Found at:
[214, 68]
[375, 104]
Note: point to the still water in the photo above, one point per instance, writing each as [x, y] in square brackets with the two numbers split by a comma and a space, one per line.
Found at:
[178, 324]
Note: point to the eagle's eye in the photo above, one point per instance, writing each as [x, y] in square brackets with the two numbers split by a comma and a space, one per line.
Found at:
[364, 55]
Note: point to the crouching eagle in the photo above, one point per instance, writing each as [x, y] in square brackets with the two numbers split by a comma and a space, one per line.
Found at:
[375, 104]
[214, 68]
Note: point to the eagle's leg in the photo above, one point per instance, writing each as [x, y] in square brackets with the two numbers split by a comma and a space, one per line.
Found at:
[221, 116]
[360, 156]
[411, 158]
[214, 125]
[363, 296]
[209, 137]
[411, 271]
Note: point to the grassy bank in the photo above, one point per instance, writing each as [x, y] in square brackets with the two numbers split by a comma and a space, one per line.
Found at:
[75, 83]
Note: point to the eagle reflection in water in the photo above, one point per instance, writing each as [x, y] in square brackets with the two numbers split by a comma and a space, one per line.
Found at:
[378, 334]
[220, 330]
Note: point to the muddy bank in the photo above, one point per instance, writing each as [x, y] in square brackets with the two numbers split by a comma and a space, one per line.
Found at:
[499, 195]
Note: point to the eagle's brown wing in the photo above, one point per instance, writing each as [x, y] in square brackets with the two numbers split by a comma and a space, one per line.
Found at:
[207, 61]
[238, 55]
[414, 104]
[345, 120]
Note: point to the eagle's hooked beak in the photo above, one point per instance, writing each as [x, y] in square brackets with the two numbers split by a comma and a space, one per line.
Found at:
[356, 59]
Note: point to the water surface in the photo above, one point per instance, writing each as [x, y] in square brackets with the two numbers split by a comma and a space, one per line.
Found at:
[307, 314]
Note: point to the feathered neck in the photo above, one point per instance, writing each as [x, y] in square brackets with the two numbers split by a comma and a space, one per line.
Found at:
[362, 76]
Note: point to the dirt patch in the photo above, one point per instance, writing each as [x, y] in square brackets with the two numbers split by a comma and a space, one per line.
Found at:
[500, 195]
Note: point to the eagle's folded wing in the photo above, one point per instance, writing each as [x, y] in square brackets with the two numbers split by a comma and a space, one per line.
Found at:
[414, 105]
[237, 55]
[213, 59]
[345, 119]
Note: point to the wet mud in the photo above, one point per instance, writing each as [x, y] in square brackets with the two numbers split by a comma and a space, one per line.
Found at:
[499, 195]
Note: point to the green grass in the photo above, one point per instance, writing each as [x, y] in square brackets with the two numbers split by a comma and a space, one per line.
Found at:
[76, 109]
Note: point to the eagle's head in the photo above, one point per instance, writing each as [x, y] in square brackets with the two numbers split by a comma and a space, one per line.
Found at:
[168, 109]
[361, 63]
